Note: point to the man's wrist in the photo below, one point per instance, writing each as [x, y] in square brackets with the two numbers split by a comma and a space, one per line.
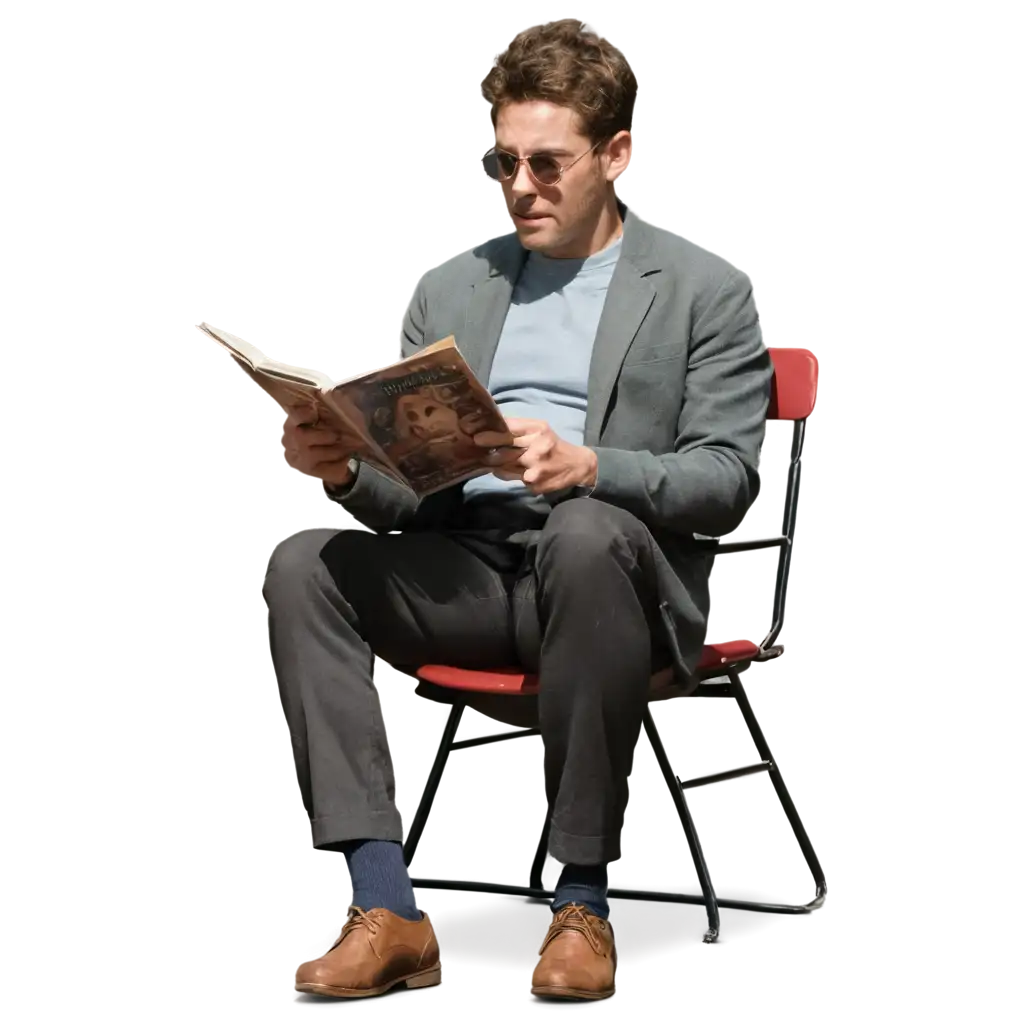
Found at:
[336, 491]
[589, 481]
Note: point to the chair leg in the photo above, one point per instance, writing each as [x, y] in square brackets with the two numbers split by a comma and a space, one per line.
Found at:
[539, 855]
[780, 788]
[433, 780]
[678, 797]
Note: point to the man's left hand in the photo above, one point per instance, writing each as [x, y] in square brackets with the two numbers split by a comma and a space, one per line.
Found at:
[539, 457]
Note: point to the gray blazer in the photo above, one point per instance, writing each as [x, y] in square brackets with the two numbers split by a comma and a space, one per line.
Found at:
[676, 400]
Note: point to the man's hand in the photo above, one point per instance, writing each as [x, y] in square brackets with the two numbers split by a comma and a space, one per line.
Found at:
[317, 450]
[540, 458]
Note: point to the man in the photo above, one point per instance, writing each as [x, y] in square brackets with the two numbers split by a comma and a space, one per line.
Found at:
[630, 369]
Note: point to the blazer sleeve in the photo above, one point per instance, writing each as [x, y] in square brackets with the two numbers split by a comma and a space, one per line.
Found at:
[709, 481]
[377, 498]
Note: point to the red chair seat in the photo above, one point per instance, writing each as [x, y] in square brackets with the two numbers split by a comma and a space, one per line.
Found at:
[499, 680]
[729, 653]
[517, 683]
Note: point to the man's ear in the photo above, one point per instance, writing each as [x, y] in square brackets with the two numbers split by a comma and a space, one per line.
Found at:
[618, 150]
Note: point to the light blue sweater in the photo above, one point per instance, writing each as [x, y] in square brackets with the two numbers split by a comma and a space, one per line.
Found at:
[542, 362]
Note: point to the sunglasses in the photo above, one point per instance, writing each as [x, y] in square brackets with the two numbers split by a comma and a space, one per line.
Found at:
[543, 168]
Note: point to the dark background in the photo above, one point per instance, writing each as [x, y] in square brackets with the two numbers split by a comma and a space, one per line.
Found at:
[151, 857]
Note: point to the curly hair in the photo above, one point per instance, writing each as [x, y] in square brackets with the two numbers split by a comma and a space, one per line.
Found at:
[565, 63]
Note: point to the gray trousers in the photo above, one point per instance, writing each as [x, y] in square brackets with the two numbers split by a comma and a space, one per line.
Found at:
[580, 608]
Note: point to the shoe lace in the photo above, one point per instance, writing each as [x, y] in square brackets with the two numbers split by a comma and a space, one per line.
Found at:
[573, 917]
[359, 918]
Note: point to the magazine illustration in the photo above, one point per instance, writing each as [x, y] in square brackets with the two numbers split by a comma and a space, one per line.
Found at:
[423, 413]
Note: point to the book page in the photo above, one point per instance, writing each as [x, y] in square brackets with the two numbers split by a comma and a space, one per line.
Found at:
[423, 413]
[298, 389]
[252, 357]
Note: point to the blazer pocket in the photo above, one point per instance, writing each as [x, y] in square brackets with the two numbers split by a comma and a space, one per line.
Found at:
[654, 354]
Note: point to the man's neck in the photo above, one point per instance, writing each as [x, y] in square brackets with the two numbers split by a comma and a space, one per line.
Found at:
[605, 228]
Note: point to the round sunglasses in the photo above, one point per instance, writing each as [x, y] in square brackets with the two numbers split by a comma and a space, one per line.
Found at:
[543, 167]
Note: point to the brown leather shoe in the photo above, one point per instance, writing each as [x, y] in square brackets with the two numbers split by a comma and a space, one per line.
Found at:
[577, 959]
[376, 951]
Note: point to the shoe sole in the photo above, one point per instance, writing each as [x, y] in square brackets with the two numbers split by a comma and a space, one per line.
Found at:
[424, 979]
[556, 992]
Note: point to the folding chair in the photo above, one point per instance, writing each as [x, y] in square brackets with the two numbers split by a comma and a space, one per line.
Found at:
[794, 389]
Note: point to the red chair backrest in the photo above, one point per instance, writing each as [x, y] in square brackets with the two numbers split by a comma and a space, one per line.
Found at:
[794, 385]
[753, 564]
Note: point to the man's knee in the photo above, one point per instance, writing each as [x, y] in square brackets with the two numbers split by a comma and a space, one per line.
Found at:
[583, 529]
[293, 562]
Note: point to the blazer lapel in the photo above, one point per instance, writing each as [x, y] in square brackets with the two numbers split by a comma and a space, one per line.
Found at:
[630, 295]
[488, 307]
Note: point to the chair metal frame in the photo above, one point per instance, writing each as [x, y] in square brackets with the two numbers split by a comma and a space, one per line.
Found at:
[718, 681]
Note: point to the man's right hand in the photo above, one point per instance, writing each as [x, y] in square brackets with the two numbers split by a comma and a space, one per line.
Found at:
[317, 449]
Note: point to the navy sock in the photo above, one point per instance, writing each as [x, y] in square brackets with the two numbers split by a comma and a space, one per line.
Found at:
[380, 877]
[583, 883]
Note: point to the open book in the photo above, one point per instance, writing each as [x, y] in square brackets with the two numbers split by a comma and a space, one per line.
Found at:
[414, 420]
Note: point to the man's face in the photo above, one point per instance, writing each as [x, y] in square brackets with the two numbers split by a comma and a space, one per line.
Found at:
[557, 220]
